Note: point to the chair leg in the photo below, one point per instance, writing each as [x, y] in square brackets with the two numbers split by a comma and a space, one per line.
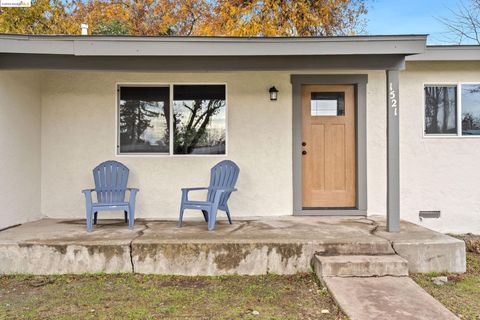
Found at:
[205, 215]
[180, 218]
[131, 218]
[95, 217]
[89, 220]
[126, 216]
[228, 216]
[212, 218]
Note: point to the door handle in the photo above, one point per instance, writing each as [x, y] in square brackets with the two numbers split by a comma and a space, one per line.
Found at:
[304, 152]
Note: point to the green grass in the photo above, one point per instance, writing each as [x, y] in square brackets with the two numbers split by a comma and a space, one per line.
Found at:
[462, 292]
[134, 296]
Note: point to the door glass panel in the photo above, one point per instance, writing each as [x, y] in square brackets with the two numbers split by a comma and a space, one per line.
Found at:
[324, 104]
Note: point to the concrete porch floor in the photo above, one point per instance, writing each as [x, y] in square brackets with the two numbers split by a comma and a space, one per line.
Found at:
[282, 245]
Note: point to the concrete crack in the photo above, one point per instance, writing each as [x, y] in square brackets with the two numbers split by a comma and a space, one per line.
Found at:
[130, 245]
[374, 231]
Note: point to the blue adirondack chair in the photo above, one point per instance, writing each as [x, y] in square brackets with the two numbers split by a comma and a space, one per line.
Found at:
[223, 177]
[111, 179]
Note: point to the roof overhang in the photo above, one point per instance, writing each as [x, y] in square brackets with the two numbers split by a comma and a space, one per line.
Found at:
[212, 46]
[448, 53]
[207, 53]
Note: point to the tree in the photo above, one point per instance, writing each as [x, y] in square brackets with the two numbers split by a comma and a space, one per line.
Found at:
[114, 28]
[44, 17]
[285, 18]
[188, 17]
[464, 25]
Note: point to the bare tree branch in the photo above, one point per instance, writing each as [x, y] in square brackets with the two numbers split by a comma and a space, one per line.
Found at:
[464, 23]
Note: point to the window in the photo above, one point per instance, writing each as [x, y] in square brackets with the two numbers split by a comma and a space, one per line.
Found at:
[440, 110]
[449, 108]
[144, 119]
[198, 114]
[471, 109]
[199, 119]
[327, 104]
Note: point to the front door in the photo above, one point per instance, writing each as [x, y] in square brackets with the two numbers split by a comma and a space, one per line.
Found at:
[328, 146]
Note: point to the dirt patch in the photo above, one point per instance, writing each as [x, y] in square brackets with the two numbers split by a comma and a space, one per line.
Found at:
[134, 296]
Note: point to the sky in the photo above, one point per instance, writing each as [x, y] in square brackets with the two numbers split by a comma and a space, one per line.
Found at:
[410, 17]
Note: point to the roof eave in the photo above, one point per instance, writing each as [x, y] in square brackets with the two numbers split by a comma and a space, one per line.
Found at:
[211, 46]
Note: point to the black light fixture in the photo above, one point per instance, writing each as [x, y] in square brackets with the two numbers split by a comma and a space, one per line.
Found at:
[273, 93]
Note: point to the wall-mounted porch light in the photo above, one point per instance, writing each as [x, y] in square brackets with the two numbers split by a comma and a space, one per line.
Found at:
[273, 93]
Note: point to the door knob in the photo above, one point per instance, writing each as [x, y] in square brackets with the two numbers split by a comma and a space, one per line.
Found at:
[304, 144]
[304, 152]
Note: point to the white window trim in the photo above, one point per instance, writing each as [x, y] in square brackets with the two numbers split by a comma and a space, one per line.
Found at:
[459, 134]
[170, 153]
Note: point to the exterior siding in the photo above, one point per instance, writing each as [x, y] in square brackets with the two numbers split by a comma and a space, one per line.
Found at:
[78, 121]
[437, 173]
[78, 132]
[20, 130]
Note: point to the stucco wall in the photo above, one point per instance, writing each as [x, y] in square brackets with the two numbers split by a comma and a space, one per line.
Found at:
[437, 173]
[20, 147]
[78, 121]
[56, 126]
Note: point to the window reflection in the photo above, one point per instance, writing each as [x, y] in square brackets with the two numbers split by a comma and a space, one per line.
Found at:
[441, 109]
[471, 109]
[199, 118]
[144, 119]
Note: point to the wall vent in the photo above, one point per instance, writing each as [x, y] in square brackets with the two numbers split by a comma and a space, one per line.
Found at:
[435, 214]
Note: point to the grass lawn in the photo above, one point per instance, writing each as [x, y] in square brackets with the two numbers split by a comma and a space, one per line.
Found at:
[134, 296]
[462, 292]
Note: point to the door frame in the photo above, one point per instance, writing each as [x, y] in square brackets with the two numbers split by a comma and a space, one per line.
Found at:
[360, 83]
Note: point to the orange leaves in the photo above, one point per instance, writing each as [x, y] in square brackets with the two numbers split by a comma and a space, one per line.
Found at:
[188, 17]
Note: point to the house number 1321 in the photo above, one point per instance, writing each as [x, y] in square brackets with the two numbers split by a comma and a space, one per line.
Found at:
[393, 99]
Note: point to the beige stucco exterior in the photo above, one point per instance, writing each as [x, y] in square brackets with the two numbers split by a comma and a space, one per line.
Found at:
[79, 118]
[78, 130]
[437, 173]
[20, 131]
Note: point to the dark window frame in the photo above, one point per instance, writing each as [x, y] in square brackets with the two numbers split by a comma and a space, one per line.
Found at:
[459, 108]
[171, 152]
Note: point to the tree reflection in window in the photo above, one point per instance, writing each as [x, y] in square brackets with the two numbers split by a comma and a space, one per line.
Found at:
[440, 109]
[144, 119]
[199, 119]
[471, 109]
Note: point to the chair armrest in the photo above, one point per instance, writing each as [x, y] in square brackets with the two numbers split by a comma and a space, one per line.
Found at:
[133, 195]
[185, 191]
[88, 196]
[194, 189]
[226, 189]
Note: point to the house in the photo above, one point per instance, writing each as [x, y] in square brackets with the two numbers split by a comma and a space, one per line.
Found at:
[360, 125]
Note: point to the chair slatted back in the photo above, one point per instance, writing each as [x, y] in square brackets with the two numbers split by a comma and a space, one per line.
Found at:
[111, 179]
[223, 175]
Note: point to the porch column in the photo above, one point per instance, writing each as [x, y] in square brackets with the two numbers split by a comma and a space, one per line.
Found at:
[393, 153]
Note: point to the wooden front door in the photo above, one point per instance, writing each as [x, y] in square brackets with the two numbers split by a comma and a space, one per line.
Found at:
[328, 146]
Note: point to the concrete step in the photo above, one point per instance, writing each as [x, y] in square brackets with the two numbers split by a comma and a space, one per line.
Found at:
[360, 266]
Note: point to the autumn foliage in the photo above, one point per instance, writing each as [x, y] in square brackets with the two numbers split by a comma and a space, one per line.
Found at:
[188, 17]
